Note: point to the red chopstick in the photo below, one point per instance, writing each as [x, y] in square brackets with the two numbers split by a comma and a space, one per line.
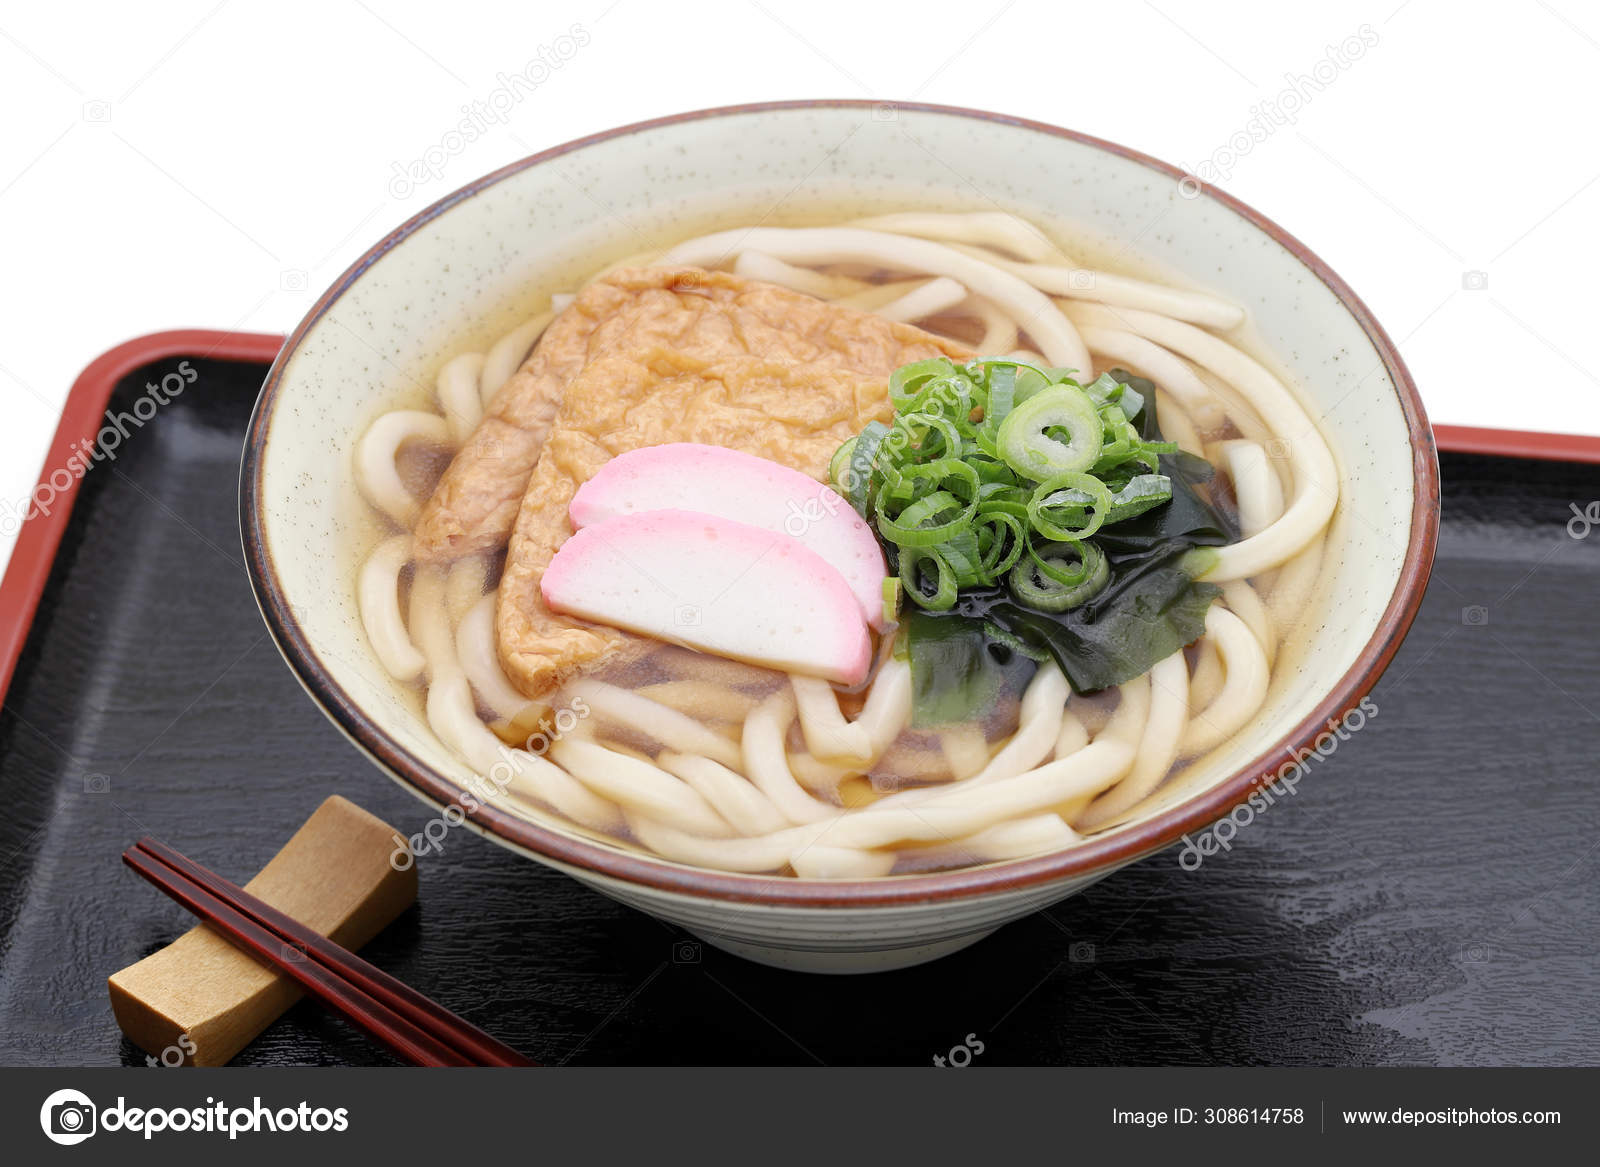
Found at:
[416, 1029]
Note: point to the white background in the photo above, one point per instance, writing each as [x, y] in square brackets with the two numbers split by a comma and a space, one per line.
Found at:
[218, 164]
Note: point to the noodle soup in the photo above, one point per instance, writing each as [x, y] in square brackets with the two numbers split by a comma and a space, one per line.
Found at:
[629, 568]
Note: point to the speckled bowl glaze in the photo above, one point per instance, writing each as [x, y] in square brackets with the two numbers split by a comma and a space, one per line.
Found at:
[472, 264]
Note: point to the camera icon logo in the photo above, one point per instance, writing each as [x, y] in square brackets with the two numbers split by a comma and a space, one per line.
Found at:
[685, 952]
[1475, 615]
[1081, 280]
[1474, 281]
[293, 280]
[1080, 952]
[885, 112]
[96, 784]
[97, 110]
[68, 1117]
[686, 615]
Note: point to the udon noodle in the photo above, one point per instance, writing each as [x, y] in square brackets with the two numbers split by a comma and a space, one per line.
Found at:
[715, 763]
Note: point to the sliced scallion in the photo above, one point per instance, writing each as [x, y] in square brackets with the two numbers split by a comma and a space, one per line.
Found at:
[1000, 472]
[943, 596]
[1027, 438]
[1070, 506]
[1141, 492]
[1050, 580]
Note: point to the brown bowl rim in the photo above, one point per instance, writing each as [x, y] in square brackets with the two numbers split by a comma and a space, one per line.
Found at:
[1095, 857]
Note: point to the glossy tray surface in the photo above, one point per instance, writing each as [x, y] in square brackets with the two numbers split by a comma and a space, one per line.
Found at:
[1427, 896]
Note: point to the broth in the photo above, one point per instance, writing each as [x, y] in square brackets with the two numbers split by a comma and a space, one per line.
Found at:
[700, 759]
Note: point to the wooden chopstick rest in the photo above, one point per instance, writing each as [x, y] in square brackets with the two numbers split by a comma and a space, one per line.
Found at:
[204, 1000]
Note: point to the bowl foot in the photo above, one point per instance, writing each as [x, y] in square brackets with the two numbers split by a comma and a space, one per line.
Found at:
[841, 961]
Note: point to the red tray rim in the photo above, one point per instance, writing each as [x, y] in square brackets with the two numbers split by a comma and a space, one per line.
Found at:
[40, 535]
[81, 419]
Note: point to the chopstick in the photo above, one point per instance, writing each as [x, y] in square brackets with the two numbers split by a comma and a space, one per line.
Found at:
[410, 1025]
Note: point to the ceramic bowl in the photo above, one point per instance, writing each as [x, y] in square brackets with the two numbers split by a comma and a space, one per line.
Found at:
[470, 266]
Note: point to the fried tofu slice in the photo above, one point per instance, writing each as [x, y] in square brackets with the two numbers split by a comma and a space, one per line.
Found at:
[728, 362]
[703, 315]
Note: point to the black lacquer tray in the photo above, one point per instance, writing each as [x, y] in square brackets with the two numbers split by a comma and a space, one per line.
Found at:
[1428, 896]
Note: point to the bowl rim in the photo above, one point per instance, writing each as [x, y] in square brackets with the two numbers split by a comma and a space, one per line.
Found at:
[1095, 857]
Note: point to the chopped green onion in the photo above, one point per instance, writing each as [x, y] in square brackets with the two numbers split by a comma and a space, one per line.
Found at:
[891, 599]
[1069, 507]
[1015, 643]
[912, 526]
[1107, 390]
[1002, 397]
[1007, 536]
[944, 583]
[1000, 472]
[863, 463]
[1028, 447]
[908, 382]
[839, 466]
[1041, 582]
[913, 430]
[1141, 492]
